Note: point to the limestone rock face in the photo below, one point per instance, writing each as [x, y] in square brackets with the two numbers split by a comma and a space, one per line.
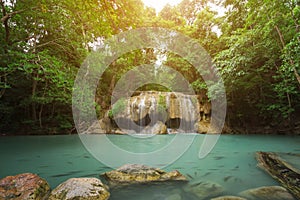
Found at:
[80, 189]
[24, 187]
[147, 111]
[173, 105]
[134, 173]
[267, 193]
[204, 190]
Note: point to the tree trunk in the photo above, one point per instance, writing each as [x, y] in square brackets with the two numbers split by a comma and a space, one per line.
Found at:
[2, 91]
[7, 33]
[86, 46]
[4, 19]
[112, 84]
[40, 116]
[280, 36]
[33, 105]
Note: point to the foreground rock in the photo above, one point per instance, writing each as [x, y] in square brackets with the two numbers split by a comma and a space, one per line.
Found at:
[80, 189]
[204, 190]
[24, 187]
[229, 198]
[134, 173]
[267, 193]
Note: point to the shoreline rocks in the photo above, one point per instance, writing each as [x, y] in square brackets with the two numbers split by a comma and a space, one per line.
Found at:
[135, 177]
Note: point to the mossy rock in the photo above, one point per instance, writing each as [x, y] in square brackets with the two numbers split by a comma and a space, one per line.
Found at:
[25, 186]
[134, 173]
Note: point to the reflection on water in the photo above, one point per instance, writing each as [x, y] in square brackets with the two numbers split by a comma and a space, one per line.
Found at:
[231, 164]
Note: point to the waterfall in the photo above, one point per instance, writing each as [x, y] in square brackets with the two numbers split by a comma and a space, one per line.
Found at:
[188, 113]
[177, 113]
[131, 113]
[153, 110]
[168, 100]
[141, 107]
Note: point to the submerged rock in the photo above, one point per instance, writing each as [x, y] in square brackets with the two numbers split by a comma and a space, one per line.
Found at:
[24, 187]
[267, 193]
[228, 198]
[204, 190]
[134, 173]
[173, 197]
[80, 189]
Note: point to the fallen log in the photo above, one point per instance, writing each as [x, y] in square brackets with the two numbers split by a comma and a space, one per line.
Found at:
[287, 175]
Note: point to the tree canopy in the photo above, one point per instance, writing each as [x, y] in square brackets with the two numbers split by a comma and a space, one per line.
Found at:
[255, 45]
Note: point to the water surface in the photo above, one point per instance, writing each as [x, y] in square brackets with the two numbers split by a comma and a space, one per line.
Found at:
[231, 164]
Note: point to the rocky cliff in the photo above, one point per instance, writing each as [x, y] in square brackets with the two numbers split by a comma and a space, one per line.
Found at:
[157, 113]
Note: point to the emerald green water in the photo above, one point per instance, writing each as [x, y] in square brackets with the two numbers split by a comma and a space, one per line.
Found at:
[231, 163]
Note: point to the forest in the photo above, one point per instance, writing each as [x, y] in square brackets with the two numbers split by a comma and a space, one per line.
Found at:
[255, 45]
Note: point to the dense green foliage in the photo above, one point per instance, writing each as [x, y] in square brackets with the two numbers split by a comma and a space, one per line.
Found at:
[255, 45]
[118, 107]
[259, 63]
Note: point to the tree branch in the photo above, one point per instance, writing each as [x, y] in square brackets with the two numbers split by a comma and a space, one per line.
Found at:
[7, 16]
[280, 36]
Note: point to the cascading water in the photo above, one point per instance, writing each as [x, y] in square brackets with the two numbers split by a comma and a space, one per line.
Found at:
[142, 111]
[153, 110]
[163, 112]
[188, 112]
[132, 113]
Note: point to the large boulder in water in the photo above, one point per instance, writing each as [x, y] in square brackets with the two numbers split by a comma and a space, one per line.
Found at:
[134, 173]
[24, 187]
[267, 193]
[174, 197]
[80, 189]
[204, 190]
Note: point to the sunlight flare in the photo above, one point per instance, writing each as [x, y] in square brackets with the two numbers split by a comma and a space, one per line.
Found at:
[158, 5]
